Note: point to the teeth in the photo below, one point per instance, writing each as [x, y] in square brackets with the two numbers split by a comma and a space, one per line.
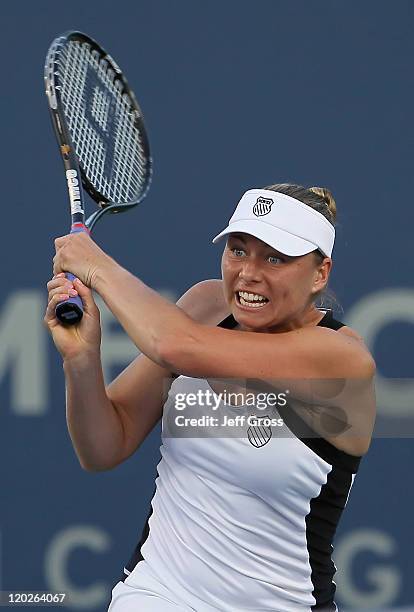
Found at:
[252, 297]
[253, 300]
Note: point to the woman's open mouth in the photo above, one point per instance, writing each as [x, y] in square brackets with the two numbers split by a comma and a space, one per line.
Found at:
[251, 300]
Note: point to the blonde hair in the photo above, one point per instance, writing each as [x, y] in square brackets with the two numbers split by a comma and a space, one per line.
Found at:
[321, 200]
[328, 198]
[318, 198]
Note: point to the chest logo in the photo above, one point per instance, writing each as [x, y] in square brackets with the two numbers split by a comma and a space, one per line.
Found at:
[259, 435]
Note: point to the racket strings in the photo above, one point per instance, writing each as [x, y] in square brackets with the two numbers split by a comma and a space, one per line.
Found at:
[102, 124]
[100, 107]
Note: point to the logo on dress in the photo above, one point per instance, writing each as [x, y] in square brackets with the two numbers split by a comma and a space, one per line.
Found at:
[259, 435]
[263, 206]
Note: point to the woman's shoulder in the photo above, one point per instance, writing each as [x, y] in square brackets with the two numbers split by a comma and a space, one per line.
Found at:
[363, 355]
[341, 328]
[351, 333]
[205, 301]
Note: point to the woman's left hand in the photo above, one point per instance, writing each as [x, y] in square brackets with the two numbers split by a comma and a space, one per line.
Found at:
[81, 256]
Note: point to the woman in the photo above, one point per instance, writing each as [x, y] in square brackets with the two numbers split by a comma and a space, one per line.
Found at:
[238, 522]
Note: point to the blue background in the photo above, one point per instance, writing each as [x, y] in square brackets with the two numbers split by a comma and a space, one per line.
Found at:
[236, 94]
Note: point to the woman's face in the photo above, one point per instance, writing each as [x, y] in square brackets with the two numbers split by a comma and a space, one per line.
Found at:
[251, 268]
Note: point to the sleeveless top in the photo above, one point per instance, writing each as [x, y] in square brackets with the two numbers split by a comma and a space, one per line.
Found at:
[237, 523]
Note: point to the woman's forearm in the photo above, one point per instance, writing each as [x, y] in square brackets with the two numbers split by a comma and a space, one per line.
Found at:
[93, 422]
[148, 318]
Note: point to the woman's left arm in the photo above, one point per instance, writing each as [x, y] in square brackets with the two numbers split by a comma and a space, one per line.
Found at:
[149, 319]
[164, 333]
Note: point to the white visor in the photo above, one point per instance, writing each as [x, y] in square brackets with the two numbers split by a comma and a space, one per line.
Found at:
[284, 223]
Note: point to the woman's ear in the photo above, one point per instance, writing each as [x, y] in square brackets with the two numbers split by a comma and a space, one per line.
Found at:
[322, 275]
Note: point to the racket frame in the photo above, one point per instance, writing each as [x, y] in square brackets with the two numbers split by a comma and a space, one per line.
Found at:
[77, 180]
[68, 151]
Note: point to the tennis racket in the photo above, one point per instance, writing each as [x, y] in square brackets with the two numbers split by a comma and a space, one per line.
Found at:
[101, 135]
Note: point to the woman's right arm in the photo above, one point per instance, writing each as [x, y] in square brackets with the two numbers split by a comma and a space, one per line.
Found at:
[107, 425]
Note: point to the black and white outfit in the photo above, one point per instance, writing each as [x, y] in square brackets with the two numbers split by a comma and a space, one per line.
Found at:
[236, 526]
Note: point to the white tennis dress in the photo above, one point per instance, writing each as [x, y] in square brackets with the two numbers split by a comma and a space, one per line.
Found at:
[239, 523]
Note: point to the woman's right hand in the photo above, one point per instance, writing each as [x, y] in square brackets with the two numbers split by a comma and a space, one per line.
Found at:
[74, 340]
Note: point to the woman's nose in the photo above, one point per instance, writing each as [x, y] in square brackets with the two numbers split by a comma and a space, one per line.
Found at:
[250, 271]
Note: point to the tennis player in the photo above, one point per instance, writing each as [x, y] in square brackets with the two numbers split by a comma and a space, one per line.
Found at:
[246, 520]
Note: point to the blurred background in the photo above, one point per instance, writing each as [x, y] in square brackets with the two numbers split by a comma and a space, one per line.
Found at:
[236, 94]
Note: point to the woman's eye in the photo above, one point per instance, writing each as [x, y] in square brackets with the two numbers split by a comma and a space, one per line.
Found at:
[237, 252]
[274, 260]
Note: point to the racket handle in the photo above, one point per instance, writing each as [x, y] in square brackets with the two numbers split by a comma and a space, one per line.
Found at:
[70, 312]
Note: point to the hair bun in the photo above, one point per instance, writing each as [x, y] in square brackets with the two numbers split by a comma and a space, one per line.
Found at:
[327, 197]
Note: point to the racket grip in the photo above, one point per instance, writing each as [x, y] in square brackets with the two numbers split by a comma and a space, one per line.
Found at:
[70, 312]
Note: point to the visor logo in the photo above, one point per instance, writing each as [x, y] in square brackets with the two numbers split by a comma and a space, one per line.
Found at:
[263, 206]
